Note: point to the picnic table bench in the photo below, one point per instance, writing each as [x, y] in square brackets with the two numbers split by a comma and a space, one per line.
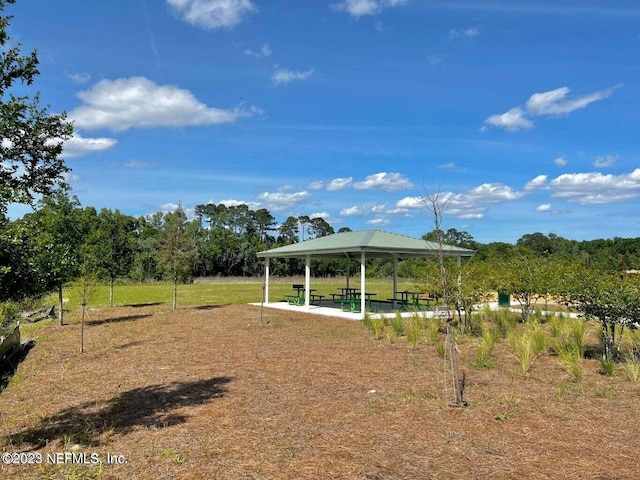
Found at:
[350, 305]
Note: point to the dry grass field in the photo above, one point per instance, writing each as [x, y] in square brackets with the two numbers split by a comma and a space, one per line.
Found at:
[211, 393]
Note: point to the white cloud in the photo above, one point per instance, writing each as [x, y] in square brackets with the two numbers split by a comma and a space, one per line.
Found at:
[554, 102]
[471, 204]
[265, 51]
[560, 161]
[545, 207]
[465, 32]
[447, 166]
[138, 102]
[235, 203]
[283, 76]
[363, 210]
[512, 120]
[316, 185]
[359, 8]
[279, 201]
[380, 222]
[595, 188]
[169, 207]
[339, 184]
[70, 177]
[137, 164]
[78, 77]
[434, 60]
[605, 161]
[213, 14]
[389, 182]
[77, 145]
[539, 182]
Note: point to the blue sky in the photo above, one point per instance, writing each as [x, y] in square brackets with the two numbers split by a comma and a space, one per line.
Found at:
[522, 114]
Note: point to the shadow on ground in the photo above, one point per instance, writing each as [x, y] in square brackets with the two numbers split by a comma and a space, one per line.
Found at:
[208, 307]
[139, 305]
[126, 318]
[9, 364]
[152, 406]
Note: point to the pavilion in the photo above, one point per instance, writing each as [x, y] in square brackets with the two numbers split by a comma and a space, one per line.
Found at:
[360, 245]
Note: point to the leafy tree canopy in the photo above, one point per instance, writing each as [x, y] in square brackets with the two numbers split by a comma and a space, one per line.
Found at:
[31, 138]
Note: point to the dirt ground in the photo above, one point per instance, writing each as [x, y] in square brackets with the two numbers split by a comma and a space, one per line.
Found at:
[211, 393]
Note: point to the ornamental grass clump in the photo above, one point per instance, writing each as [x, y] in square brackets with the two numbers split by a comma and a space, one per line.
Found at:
[397, 325]
[527, 344]
[571, 359]
[413, 331]
[486, 343]
[506, 321]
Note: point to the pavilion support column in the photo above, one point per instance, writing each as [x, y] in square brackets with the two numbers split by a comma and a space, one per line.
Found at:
[348, 269]
[395, 275]
[266, 280]
[363, 284]
[307, 281]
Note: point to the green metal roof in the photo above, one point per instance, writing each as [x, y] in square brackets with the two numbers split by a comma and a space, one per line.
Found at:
[375, 243]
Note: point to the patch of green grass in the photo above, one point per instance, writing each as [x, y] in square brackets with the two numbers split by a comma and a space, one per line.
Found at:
[236, 291]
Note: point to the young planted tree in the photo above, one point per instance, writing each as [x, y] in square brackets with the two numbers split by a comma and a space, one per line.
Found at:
[437, 206]
[57, 231]
[111, 245]
[176, 248]
[611, 300]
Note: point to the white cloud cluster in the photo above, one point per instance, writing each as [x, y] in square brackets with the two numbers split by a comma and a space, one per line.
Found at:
[127, 103]
[605, 161]
[213, 14]
[465, 32]
[282, 76]
[388, 182]
[551, 103]
[560, 161]
[265, 51]
[473, 203]
[235, 203]
[594, 188]
[78, 77]
[77, 145]
[137, 164]
[279, 201]
[359, 8]
[363, 210]
[339, 184]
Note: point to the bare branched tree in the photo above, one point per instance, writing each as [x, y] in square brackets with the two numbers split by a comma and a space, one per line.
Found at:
[436, 204]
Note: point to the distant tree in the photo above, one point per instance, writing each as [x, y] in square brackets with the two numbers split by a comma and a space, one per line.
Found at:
[305, 227]
[288, 231]
[452, 237]
[321, 227]
[32, 138]
[176, 248]
[265, 223]
[112, 246]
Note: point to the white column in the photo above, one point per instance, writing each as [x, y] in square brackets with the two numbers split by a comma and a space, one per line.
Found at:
[348, 269]
[363, 286]
[266, 281]
[395, 275]
[307, 281]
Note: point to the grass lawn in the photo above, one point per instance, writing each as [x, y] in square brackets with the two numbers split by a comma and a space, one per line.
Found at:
[217, 293]
[209, 392]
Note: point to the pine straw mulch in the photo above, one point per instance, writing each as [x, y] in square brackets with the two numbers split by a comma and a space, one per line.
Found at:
[211, 393]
